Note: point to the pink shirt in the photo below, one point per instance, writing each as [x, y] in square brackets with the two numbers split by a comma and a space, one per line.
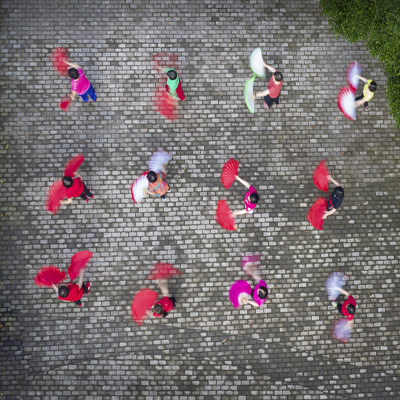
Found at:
[81, 85]
[274, 89]
[248, 204]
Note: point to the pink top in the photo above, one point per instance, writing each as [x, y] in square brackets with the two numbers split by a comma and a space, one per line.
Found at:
[274, 89]
[238, 288]
[81, 85]
[248, 204]
[259, 301]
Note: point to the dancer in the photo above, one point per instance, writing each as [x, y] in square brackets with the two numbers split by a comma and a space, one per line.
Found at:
[173, 85]
[271, 95]
[241, 293]
[158, 184]
[51, 276]
[250, 198]
[71, 185]
[335, 199]
[79, 83]
[73, 292]
[346, 308]
[368, 92]
[166, 303]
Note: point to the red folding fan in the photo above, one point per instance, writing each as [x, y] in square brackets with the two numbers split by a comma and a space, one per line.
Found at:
[316, 212]
[64, 103]
[47, 276]
[55, 194]
[142, 302]
[320, 176]
[163, 271]
[229, 172]
[79, 262]
[58, 56]
[224, 216]
[72, 165]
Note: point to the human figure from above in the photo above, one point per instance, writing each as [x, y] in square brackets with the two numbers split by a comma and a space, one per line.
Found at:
[271, 94]
[166, 304]
[173, 85]
[335, 199]
[75, 187]
[250, 198]
[79, 83]
[71, 291]
[348, 307]
[368, 93]
[158, 184]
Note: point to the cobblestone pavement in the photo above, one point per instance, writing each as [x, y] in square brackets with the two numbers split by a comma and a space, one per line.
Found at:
[205, 349]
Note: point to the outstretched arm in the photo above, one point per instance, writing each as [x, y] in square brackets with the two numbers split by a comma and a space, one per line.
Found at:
[347, 294]
[66, 202]
[80, 282]
[242, 181]
[363, 79]
[261, 94]
[328, 213]
[241, 212]
[272, 69]
[54, 287]
[72, 65]
[163, 285]
[359, 103]
[336, 183]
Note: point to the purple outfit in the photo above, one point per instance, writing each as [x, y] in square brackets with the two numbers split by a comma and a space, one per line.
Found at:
[238, 288]
[81, 85]
[259, 301]
[248, 204]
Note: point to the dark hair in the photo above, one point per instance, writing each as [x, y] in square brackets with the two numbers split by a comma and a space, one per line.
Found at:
[278, 76]
[73, 73]
[351, 309]
[338, 192]
[262, 292]
[158, 309]
[67, 181]
[253, 198]
[63, 291]
[372, 86]
[172, 74]
[151, 176]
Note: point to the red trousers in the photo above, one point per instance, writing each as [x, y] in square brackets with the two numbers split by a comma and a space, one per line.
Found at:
[179, 91]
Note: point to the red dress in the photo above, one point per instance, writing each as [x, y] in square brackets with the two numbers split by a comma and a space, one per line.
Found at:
[74, 292]
[349, 300]
[166, 304]
[76, 189]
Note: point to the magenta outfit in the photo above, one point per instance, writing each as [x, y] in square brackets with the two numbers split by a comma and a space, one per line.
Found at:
[259, 301]
[249, 206]
[81, 85]
[236, 290]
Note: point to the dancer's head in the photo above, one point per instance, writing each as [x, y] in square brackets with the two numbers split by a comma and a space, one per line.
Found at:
[372, 86]
[67, 181]
[151, 176]
[158, 309]
[278, 76]
[172, 74]
[254, 198]
[63, 291]
[351, 309]
[262, 292]
[338, 192]
[73, 73]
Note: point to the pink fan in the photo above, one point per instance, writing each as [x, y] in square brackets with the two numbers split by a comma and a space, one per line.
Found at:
[47, 276]
[58, 56]
[142, 302]
[224, 216]
[341, 330]
[316, 212]
[353, 73]
[72, 165]
[229, 172]
[79, 262]
[320, 176]
[163, 271]
[346, 103]
[55, 194]
[164, 104]
[138, 186]
[65, 103]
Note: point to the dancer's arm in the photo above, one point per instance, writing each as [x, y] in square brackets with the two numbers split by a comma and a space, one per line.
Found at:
[66, 202]
[242, 181]
[253, 303]
[147, 191]
[328, 213]
[363, 79]
[347, 294]
[80, 282]
[163, 285]
[336, 183]
[359, 103]
[54, 287]
[261, 94]
[72, 65]
[272, 69]
[241, 212]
